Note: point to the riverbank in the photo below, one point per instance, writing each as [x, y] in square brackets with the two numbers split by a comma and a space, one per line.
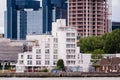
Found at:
[61, 74]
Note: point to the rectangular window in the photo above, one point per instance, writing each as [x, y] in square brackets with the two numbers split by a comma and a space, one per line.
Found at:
[38, 56]
[21, 56]
[38, 62]
[70, 45]
[68, 34]
[54, 62]
[47, 51]
[55, 56]
[21, 62]
[47, 45]
[38, 50]
[47, 57]
[29, 62]
[55, 51]
[47, 62]
[55, 45]
[55, 40]
[29, 56]
[72, 34]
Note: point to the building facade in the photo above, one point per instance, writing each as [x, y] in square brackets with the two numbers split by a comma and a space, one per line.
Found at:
[50, 48]
[115, 25]
[52, 10]
[16, 18]
[90, 17]
[28, 22]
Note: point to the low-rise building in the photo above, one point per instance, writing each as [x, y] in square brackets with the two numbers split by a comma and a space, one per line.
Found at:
[9, 50]
[108, 65]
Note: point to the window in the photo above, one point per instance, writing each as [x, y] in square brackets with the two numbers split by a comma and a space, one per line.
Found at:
[55, 45]
[47, 57]
[21, 56]
[55, 51]
[54, 62]
[21, 62]
[38, 62]
[47, 62]
[68, 34]
[38, 56]
[70, 51]
[29, 62]
[47, 45]
[38, 50]
[70, 40]
[29, 56]
[55, 56]
[47, 51]
[72, 34]
[55, 40]
[70, 45]
[70, 56]
[70, 62]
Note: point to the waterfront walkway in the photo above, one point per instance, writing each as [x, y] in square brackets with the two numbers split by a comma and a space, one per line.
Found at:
[61, 74]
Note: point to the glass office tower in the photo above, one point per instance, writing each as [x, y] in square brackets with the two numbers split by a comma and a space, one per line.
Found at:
[52, 10]
[16, 19]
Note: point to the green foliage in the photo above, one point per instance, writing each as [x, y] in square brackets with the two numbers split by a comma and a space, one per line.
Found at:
[89, 44]
[112, 42]
[7, 66]
[109, 42]
[60, 65]
[44, 70]
[96, 55]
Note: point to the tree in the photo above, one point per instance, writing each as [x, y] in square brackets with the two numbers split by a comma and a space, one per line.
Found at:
[89, 44]
[112, 42]
[7, 66]
[96, 56]
[109, 42]
[60, 64]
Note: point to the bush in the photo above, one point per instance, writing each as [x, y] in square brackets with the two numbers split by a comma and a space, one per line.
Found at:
[44, 70]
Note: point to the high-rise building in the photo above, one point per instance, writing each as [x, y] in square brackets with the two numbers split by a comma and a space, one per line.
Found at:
[16, 18]
[52, 10]
[47, 15]
[28, 22]
[90, 17]
[115, 25]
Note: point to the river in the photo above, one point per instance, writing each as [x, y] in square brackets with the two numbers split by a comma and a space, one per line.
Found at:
[65, 78]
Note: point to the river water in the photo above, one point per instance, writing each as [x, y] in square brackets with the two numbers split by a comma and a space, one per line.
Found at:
[65, 78]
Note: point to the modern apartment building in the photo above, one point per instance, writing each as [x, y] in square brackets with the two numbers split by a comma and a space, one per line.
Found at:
[90, 17]
[61, 44]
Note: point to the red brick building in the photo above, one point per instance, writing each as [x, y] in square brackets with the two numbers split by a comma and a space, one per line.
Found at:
[108, 65]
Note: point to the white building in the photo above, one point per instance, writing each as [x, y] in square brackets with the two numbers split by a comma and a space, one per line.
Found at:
[61, 44]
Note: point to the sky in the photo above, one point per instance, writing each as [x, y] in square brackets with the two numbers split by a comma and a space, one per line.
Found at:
[115, 12]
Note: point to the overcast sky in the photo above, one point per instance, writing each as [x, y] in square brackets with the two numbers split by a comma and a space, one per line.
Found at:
[115, 12]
